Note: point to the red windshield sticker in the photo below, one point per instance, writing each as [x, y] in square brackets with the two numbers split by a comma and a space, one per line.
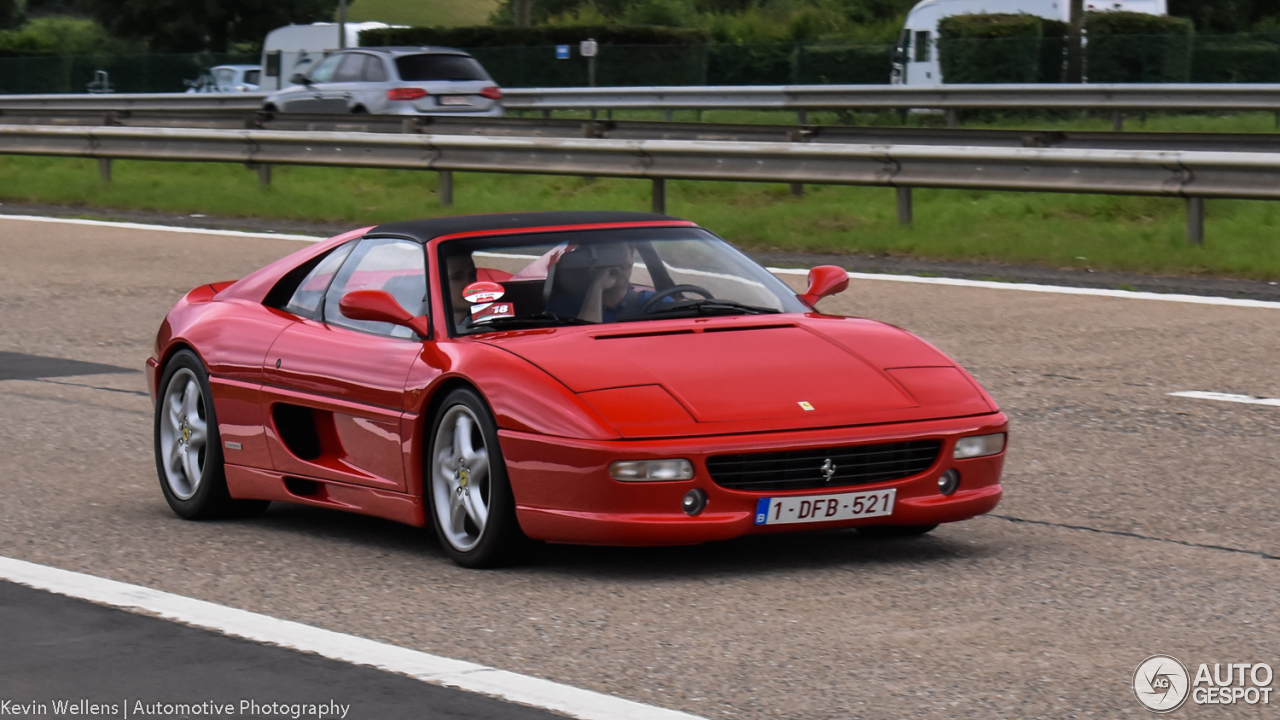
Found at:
[483, 292]
[488, 312]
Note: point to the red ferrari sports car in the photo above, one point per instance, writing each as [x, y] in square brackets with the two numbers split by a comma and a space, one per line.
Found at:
[601, 377]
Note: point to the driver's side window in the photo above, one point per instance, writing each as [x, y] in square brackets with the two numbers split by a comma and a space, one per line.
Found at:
[395, 266]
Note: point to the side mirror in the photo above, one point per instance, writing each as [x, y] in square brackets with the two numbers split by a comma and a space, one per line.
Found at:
[825, 281]
[379, 306]
[300, 79]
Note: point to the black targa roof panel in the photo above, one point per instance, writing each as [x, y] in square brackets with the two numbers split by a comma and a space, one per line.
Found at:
[426, 230]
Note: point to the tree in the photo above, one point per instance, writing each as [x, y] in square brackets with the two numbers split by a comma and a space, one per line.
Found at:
[10, 15]
[181, 26]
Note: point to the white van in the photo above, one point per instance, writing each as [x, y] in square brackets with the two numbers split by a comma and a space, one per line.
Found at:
[296, 48]
[917, 56]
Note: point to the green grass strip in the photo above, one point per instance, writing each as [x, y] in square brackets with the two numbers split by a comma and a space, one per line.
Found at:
[1134, 234]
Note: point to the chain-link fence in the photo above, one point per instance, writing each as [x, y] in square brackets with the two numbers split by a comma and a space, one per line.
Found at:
[125, 73]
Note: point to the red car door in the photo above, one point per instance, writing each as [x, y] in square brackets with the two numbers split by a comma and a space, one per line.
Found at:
[334, 387]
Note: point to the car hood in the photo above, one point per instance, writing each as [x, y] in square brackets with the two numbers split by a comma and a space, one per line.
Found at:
[745, 374]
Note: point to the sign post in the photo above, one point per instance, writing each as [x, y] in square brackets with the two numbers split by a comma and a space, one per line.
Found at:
[588, 49]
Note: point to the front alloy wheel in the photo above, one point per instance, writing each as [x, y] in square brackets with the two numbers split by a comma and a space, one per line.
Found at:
[473, 509]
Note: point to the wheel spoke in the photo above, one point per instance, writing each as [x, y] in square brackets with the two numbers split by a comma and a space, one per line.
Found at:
[190, 400]
[191, 462]
[475, 507]
[199, 433]
[457, 513]
[174, 405]
[175, 456]
[462, 436]
[478, 465]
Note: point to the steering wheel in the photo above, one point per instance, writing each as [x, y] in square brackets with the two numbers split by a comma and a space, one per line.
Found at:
[673, 290]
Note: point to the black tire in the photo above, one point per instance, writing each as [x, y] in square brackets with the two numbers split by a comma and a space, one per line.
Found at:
[205, 497]
[500, 542]
[359, 110]
[893, 531]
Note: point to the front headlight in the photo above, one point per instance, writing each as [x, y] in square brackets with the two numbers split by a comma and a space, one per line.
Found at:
[979, 446]
[651, 470]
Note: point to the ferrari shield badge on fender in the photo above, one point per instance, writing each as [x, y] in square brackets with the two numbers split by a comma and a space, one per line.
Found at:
[805, 405]
[487, 312]
[483, 292]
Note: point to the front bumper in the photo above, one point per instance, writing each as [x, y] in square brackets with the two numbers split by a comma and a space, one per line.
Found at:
[564, 492]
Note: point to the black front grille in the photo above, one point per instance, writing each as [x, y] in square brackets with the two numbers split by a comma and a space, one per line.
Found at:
[803, 469]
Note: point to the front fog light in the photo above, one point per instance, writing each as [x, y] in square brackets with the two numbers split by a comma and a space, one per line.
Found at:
[979, 446]
[948, 481]
[651, 470]
[694, 502]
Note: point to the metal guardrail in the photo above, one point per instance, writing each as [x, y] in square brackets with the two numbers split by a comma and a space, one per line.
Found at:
[830, 97]
[1120, 97]
[1190, 175]
[222, 118]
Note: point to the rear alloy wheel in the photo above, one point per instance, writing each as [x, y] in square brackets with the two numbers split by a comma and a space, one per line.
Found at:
[892, 531]
[188, 447]
[472, 507]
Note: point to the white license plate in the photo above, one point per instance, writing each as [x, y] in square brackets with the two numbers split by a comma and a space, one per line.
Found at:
[824, 508]
[455, 100]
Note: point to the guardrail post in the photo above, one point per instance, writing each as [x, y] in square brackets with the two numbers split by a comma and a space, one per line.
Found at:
[546, 114]
[1195, 220]
[666, 115]
[904, 206]
[446, 188]
[797, 189]
[264, 173]
[802, 117]
[1117, 121]
[104, 169]
[953, 118]
[660, 196]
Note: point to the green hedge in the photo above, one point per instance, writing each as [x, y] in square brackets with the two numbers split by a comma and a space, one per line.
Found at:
[486, 36]
[1127, 47]
[990, 48]
[844, 65]
[1233, 59]
[1053, 52]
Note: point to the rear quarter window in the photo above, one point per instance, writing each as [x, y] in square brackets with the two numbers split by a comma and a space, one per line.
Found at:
[425, 67]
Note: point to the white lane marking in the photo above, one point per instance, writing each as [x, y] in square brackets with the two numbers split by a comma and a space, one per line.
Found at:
[161, 228]
[471, 677]
[1059, 289]
[1227, 397]
[956, 282]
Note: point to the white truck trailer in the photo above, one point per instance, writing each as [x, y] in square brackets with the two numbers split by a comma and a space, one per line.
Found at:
[296, 48]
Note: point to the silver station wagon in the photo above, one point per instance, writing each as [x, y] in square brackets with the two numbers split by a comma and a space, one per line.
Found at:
[392, 81]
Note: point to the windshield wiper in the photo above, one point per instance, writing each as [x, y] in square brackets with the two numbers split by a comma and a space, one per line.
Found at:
[541, 319]
[710, 306]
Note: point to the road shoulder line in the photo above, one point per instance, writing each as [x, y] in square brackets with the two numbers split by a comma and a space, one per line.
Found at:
[1058, 289]
[514, 687]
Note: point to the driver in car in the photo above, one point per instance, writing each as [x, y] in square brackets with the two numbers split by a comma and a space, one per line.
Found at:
[593, 283]
[462, 272]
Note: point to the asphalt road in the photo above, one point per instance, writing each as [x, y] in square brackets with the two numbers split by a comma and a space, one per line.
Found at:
[1134, 523]
[113, 663]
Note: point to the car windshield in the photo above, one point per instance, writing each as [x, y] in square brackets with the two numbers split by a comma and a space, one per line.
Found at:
[418, 68]
[602, 276]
